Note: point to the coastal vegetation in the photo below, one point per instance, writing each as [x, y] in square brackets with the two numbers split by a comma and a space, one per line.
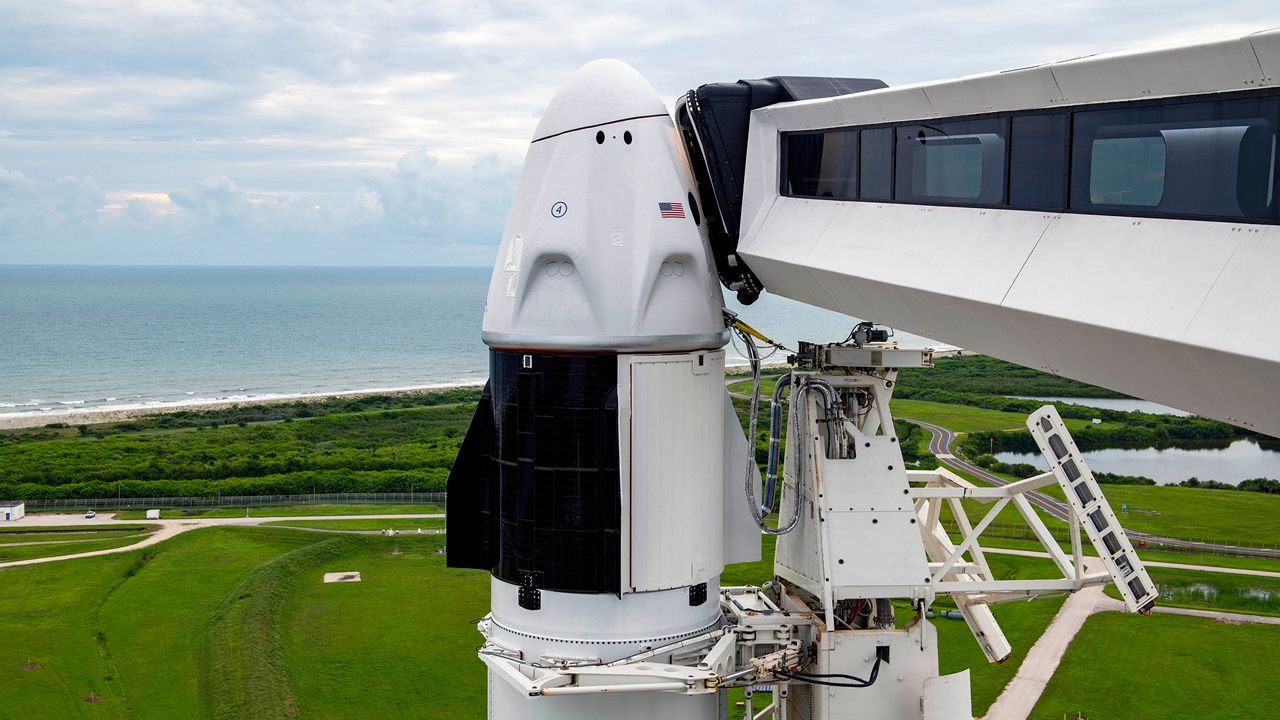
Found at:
[399, 449]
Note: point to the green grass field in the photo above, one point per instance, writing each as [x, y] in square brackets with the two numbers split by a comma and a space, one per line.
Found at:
[164, 632]
[291, 511]
[235, 622]
[957, 418]
[1222, 516]
[966, 418]
[1163, 666]
[1148, 555]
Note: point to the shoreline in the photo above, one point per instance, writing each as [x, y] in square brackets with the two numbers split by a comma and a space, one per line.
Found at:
[94, 415]
[122, 413]
[103, 414]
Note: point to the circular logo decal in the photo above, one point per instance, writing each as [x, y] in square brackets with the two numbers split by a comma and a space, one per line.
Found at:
[559, 209]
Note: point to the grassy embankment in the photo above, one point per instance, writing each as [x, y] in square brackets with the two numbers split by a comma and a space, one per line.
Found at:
[235, 623]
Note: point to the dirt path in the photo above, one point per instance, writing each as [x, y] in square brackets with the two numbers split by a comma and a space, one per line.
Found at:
[69, 542]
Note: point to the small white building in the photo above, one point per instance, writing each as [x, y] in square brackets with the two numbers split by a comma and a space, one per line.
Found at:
[12, 510]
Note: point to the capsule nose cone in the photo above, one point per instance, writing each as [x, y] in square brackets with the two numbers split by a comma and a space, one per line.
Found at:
[602, 91]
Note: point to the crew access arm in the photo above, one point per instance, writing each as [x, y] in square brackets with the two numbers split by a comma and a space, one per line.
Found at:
[1111, 218]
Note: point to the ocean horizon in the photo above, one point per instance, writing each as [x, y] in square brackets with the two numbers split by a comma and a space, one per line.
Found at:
[108, 337]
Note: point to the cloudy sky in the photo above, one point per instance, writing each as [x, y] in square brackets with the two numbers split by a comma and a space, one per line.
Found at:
[391, 133]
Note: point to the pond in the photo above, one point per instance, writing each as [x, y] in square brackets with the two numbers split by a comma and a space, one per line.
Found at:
[1125, 404]
[1241, 460]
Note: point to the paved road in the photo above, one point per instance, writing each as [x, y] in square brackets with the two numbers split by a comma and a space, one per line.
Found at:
[940, 445]
[168, 529]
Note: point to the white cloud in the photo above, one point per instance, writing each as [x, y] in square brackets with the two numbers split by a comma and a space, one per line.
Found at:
[31, 205]
[259, 130]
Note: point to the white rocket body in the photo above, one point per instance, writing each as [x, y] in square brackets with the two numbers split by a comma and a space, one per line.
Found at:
[602, 479]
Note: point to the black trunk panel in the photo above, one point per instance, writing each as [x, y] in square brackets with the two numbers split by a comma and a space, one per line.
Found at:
[541, 484]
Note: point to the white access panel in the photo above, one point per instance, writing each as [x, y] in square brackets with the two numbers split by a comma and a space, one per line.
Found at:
[874, 538]
[674, 488]
[897, 692]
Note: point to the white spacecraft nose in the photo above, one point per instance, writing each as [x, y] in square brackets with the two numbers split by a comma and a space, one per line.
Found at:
[604, 249]
[600, 92]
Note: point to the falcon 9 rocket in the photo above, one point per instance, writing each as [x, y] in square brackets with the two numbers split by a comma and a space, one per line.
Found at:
[601, 479]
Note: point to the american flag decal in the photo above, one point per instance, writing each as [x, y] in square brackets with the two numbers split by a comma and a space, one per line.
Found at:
[671, 210]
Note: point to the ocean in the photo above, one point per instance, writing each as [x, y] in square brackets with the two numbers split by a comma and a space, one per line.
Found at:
[122, 337]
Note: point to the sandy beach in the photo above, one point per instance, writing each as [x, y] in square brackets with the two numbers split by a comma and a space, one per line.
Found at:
[91, 415]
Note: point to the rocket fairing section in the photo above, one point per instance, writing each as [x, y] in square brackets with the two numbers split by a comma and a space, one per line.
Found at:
[600, 481]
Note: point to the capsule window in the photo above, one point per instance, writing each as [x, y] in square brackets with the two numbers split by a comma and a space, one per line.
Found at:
[626, 137]
[599, 137]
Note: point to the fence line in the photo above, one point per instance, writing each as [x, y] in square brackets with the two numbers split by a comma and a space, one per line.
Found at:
[994, 530]
[125, 503]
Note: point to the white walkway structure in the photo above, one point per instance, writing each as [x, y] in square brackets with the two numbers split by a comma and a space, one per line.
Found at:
[1110, 218]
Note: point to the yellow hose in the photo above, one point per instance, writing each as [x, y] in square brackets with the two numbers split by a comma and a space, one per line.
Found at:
[753, 332]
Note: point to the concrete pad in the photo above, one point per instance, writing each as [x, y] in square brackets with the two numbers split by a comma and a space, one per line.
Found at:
[340, 577]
